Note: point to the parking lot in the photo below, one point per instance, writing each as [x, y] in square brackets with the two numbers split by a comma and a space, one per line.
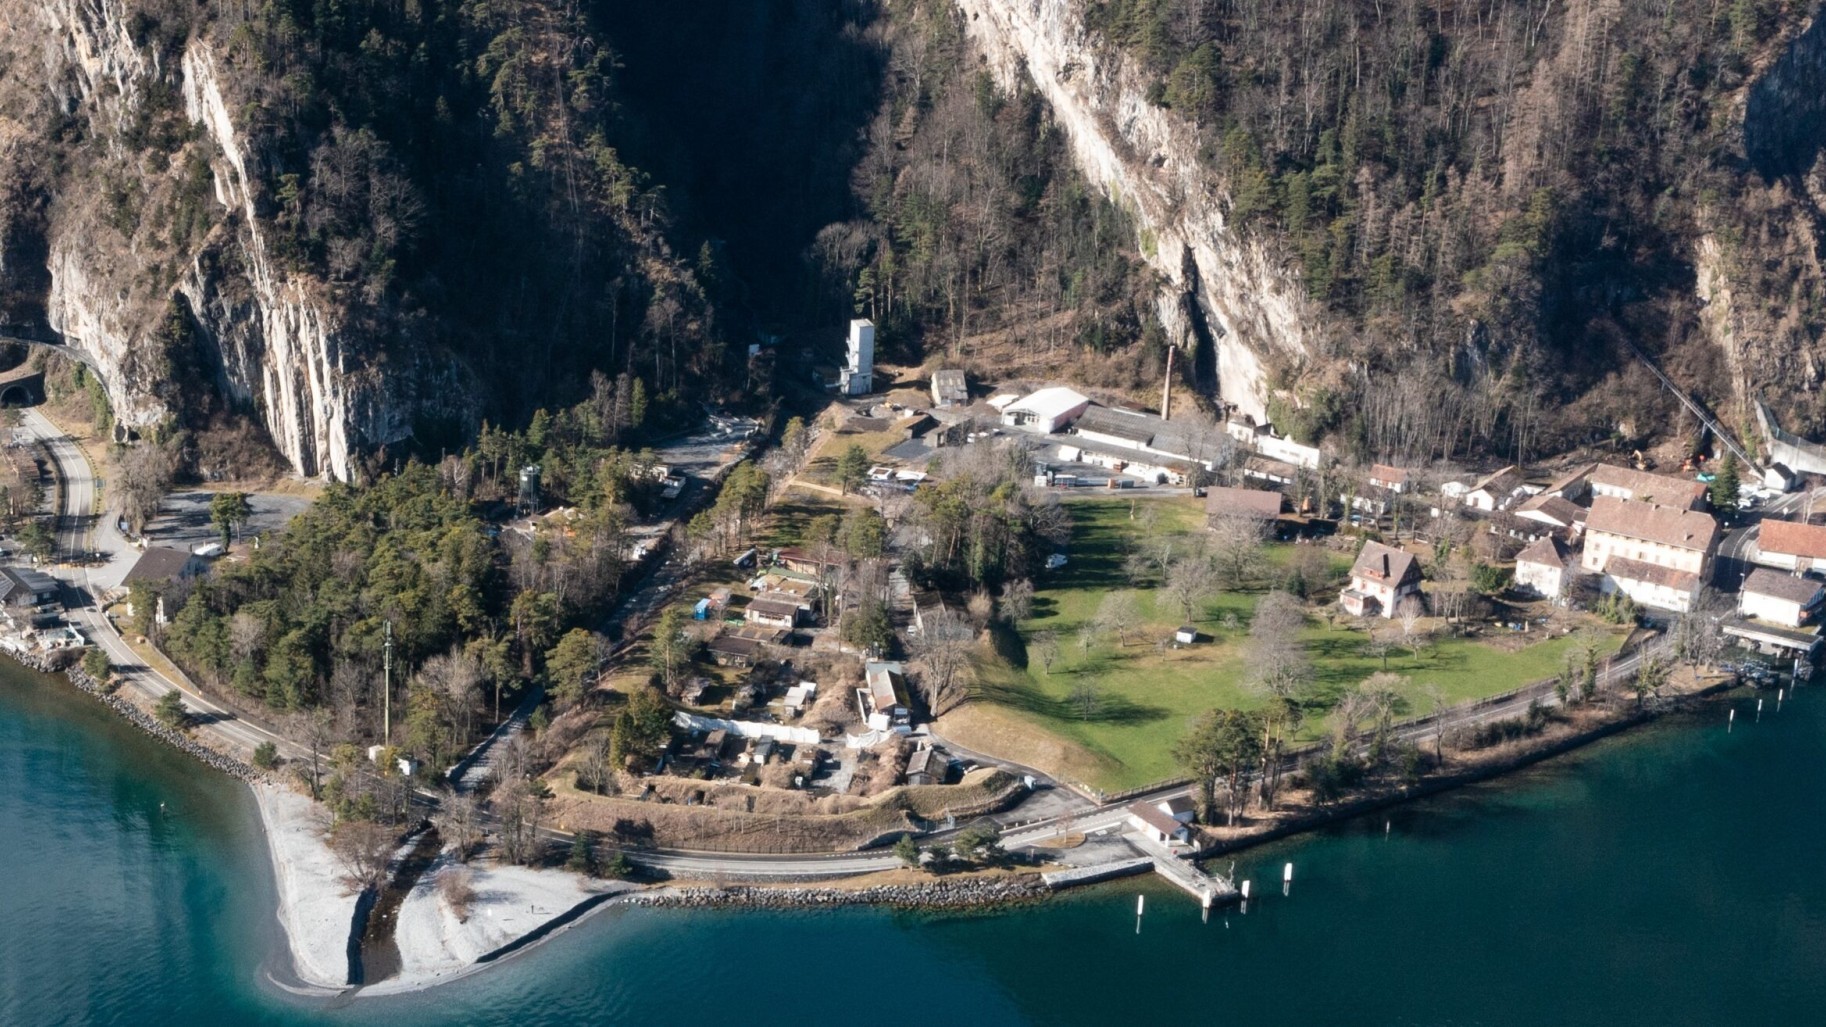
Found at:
[183, 520]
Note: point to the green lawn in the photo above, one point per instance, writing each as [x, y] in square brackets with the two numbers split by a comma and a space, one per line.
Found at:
[1147, 697]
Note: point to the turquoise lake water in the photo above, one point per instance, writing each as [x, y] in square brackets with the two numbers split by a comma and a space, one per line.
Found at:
[1673, 876]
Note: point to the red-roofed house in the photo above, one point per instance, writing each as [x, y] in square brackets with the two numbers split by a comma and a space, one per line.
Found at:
[1790, 546]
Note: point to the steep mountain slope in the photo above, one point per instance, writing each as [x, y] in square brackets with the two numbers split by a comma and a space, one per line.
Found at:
[1427, 229]
[378, 222]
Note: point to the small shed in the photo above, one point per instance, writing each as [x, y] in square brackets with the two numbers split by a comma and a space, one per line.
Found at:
[734, 650]
[1156, 824]
[926, 767]
[776, 613]
[1186, 635]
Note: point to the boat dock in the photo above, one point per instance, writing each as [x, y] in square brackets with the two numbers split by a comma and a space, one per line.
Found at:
[1209, 891]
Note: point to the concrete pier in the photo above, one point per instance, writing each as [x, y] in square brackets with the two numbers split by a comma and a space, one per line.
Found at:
[1059, 879]
[1209, 891]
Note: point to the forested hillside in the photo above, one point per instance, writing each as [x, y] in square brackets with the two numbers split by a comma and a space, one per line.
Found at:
[1489, 197]
[855, 160]
[368, 227]
[383, 221]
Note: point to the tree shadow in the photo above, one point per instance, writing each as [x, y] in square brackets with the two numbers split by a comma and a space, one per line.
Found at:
[1008, 645]
[1110, 709]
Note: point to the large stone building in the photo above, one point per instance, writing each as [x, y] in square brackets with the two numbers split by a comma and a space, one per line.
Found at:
[1646, 487]
[1659, 556]
[1665, 536]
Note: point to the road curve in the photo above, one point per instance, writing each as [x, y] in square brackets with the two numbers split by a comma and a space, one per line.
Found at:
[77, 514]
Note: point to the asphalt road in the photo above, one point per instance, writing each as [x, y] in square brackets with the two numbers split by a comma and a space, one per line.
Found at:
[78, 532]
[1732, 564]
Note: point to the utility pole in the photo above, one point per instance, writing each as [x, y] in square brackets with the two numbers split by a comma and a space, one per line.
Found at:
[386, 662]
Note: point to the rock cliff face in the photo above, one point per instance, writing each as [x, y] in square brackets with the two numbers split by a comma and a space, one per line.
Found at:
[1762, 277]
[1219, 289]
[281, 346]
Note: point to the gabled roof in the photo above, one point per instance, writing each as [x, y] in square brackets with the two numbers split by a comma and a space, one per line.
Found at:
[950, 384]
[158, 564]
[1228, 502]
[1651, 573]
[1386, 565]
[1562, 511]
[1392, 475]
[33, 581]
[1766, 582]
[887, 684]
[1652, 522]
[1792, 538]
[1152, 815]
[1569, 479]
[1648, 487]
[773, 607]
[920, 762]
[1546, 551]
[1501, 482]
[1266, 466]
[734, 645]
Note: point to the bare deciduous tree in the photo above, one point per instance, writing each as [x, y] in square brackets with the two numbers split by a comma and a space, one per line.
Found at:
[145, 476]
[520, 805]
[1190, 582]
[1437, 704]
[1408, 613]
[455, 678]
[1382, 699]
[459, 821]
[363, 847]
[1046, 647]
[943, 649]
[456, 886]
[1086, 700]
[1277, 668]
[1017, 601]
[1236, 549]
[1119, 612]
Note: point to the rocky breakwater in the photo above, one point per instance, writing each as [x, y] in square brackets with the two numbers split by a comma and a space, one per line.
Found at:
[940, 893]
[1221, 289]
[45, 664]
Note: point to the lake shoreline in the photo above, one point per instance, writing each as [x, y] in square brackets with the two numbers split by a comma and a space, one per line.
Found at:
[316, 911]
